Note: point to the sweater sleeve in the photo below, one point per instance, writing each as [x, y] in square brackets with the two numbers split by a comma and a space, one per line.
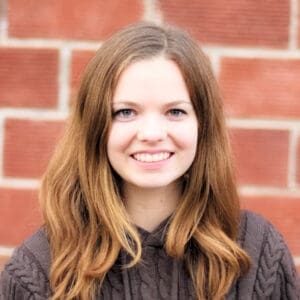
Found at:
[277, 277]
[288, 281]
[11, 289]
[23, 278]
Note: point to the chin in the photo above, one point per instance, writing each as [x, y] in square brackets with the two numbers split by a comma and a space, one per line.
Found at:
[153, 184]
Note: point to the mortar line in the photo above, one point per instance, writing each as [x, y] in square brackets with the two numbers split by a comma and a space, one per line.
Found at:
[3, 21]
[236, 52]
[33, 114]
[292, 159]
[297, 260]
[254, 190]
[41, 43]
[293, 25]
[240, 52]
[2, 121]
[64, 79]
[215, 61]
[19, 183]
[256, 123]
[6, 251]
[151, 12]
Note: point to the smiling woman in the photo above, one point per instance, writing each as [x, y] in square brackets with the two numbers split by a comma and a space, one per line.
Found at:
[153, 136]
[139, 200]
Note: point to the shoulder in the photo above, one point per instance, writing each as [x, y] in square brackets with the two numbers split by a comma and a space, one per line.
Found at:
[258, 236]
[273, 270]
[26, 273]
[252, 225]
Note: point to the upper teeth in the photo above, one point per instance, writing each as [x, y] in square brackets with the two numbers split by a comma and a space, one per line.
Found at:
[147, 157]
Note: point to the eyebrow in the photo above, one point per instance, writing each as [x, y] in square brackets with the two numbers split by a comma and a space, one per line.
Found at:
[133, 103]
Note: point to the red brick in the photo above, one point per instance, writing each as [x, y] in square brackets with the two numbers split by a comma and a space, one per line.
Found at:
[232, 22]
[28, 77]
[298, 31]
[283, 212]
[3, 260]
[70, 19]
[79, 61]
[261, 156]
[261, 87]
[298, 162]
[28, 146]
[20, 215]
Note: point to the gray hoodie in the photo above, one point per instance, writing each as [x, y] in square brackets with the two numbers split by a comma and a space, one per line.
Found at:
[272, 276]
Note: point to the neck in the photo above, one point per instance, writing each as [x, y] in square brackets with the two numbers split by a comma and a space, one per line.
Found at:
[148, 207]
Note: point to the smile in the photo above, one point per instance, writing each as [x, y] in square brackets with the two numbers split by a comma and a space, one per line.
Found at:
[148, 158]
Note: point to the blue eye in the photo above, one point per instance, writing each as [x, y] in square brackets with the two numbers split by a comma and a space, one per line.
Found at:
[124, 113]
[175, 112]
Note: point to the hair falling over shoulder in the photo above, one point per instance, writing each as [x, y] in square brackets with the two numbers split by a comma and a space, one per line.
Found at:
[85, 219]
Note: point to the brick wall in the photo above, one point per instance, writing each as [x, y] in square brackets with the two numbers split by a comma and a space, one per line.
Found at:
[254, 48]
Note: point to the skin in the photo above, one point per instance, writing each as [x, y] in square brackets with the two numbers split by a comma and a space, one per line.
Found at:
[153, 138]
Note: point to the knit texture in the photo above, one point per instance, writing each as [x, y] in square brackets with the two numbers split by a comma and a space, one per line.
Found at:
[272, 275]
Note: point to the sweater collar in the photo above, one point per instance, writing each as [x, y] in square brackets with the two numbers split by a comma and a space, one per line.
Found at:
[157, 237]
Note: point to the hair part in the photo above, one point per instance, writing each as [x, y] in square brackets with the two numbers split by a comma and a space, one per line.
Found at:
[85, 218]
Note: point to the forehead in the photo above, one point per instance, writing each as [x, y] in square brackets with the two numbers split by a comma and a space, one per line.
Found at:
[152, 79]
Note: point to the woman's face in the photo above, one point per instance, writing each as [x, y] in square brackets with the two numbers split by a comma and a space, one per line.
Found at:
[153, 138]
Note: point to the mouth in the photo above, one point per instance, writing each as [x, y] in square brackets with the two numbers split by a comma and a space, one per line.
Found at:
[149, 158]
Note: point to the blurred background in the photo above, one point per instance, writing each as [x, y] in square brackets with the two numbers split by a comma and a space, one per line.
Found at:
[254, 47]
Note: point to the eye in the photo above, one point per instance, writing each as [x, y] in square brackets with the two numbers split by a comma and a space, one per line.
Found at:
[176, 112]
[124, 113]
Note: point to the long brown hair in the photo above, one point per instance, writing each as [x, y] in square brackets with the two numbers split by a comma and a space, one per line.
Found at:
[80, 195]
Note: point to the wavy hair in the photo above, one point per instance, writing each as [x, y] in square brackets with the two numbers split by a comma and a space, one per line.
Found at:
[85, 218]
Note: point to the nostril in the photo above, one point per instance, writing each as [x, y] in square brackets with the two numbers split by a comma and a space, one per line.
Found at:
[151, 135]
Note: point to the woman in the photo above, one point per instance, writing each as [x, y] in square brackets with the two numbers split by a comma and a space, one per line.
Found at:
[139, 200]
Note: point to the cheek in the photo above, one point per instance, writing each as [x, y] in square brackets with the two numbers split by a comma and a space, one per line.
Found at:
[187, 136]
[119, 137]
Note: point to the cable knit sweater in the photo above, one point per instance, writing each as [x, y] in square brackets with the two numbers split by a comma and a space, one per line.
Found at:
[272, 275]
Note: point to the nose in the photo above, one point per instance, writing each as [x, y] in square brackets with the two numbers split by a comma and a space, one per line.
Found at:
[151, 129]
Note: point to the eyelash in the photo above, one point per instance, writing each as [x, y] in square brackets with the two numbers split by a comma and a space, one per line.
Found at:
[123, 113]
[127, 113]
[176, 111]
